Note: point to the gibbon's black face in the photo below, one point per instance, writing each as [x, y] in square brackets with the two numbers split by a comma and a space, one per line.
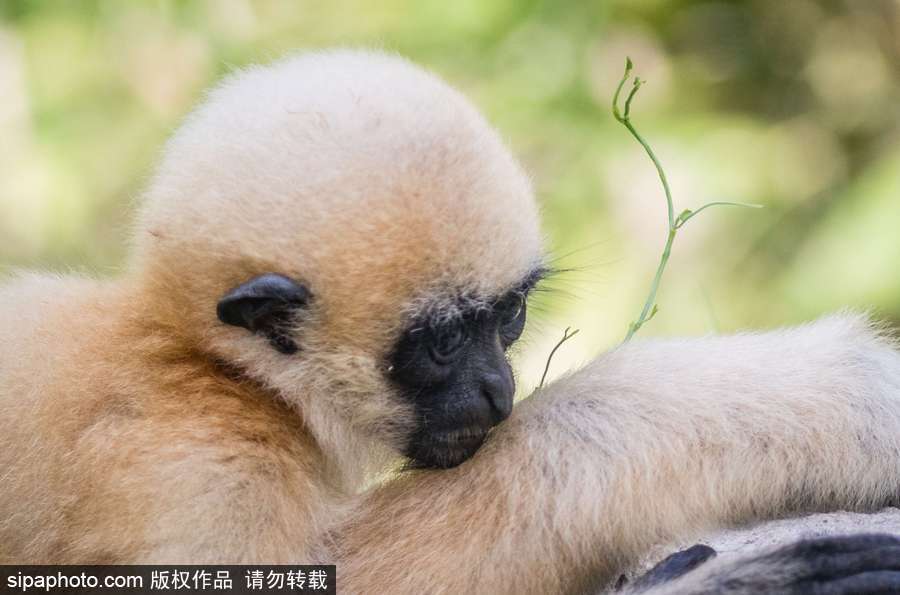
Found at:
[456, 374]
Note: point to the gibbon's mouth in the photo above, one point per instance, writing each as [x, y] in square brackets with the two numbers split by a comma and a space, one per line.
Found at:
[444, 449]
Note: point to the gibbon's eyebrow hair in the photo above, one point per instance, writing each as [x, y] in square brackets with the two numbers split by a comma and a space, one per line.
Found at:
[452, 308]
[522, 288]
[531, 280]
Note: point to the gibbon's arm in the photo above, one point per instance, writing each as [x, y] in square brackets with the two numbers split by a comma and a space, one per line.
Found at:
[652, 441]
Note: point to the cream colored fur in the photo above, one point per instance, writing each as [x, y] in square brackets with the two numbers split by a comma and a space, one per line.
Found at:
[138, 428]
[653, 440]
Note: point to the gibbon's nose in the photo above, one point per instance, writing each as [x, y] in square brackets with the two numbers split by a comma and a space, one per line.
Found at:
[498, 390]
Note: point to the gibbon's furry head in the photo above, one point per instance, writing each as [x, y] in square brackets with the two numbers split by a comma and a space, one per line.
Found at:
[363, 177]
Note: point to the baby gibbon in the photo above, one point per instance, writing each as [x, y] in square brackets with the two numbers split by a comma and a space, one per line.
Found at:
[327, 270]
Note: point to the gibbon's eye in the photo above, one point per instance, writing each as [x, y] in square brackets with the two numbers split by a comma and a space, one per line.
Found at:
[511, 314]
[446, 342]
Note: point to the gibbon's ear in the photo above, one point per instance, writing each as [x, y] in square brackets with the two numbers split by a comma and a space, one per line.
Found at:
[265, 305]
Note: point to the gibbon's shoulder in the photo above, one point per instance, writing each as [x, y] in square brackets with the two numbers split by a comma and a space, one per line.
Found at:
[32, 304]
[50, 329]
[50, 325]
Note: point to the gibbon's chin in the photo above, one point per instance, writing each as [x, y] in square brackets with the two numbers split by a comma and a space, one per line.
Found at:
[443, 450]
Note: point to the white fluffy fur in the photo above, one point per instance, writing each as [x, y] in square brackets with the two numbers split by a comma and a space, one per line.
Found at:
[653, 440]
[137, 428]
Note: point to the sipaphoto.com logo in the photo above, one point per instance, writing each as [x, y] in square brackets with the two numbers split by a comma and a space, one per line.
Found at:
[178, 579]
[24, 581]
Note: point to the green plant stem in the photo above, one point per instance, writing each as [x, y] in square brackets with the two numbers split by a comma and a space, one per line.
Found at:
[675, 223]
[670, 205]
[649, 309]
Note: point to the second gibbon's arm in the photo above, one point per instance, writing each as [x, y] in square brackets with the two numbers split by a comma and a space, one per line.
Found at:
[653, 440]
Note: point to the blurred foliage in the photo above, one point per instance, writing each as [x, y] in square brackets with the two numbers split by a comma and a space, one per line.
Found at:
[789, 104]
